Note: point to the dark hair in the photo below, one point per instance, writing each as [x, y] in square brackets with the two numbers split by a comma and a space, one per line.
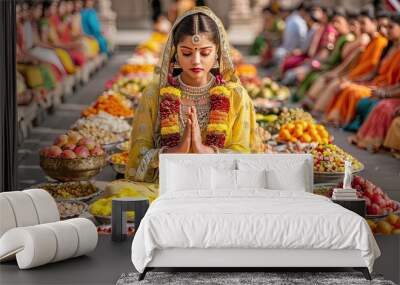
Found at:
[395, 17]
[353, 14]
[382, 14]
[368, 11]
[187, 28]
[340, 12]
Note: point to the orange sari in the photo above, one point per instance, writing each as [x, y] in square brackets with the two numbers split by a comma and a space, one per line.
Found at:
[343, 107]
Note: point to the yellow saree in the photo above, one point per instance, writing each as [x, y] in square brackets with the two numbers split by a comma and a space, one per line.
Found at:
[241, 135]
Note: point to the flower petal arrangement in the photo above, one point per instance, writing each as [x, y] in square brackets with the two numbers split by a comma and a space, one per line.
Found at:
[218, 118]
[169, 116]
[217, 126]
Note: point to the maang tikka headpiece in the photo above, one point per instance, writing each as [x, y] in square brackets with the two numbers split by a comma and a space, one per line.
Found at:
[196, 36]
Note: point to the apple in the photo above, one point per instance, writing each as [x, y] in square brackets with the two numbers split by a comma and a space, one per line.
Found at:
[81, 151]
[61, 140]
[54, 151]
[88, 142]
[68, 154]
[369, 187]
[375, 198]
[374, 209]
[69, 146]
[97, 151]
[73, 137]
[367, 201]
[397, 224]
[357, 180]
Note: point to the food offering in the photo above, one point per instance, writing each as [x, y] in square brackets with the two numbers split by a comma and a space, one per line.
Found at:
[132, 88]
[99, 135]
[71, 209]
[119, 161]
[330, 158]
[386, 226]
[72, 157]
[76, 190]
[273, 121]
[137, 69]
[113, 103]
[269, 89]
[377, 201]
[103, 128]
[305, 132]
[124, 146]
[101, 208]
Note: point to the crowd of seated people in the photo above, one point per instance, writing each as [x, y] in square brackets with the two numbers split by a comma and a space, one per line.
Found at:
[344, 66]
[55, 39]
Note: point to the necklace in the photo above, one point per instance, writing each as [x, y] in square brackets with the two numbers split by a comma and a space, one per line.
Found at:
[197, 97]
[171, 119]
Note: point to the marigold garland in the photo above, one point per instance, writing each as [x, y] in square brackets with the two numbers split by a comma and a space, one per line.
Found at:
[217, 126]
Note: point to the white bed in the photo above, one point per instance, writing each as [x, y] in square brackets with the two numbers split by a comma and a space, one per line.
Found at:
[209, 226]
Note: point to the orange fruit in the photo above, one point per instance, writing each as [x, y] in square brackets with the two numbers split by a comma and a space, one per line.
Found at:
[306, 138]
[298, 132]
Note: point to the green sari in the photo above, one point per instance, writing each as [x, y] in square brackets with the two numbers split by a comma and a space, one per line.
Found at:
[334, 59]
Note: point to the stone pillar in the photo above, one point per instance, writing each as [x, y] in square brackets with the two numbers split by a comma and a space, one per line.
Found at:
[108, 21]
[240, 12]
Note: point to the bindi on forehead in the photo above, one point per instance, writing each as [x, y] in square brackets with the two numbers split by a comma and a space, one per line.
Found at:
[196, 47]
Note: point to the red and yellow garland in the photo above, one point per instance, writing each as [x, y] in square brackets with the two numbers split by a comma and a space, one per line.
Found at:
[217, 126]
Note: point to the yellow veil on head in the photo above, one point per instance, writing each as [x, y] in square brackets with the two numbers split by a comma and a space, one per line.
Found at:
[226, 67]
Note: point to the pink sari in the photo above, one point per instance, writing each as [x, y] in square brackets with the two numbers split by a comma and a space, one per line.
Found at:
[373, 131]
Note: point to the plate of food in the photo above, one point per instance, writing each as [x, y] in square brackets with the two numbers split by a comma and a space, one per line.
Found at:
[69, 209]
[75, 190]
[118, 161]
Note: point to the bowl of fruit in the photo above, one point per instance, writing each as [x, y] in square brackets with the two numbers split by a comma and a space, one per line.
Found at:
[378, 202]
[119, 161]
[329, 163]
[72, 158]
[390, 225]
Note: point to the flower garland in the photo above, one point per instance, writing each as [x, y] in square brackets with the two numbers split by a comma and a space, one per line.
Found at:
[217, 126]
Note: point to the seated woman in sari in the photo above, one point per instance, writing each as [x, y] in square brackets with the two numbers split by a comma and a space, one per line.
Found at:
[343, 108]
[392, 140]
[91, 46]
[62, 22]
[351, 53]
[386, 98]
[37, 70]
[321, 45]
[365, 65]
[203, 109]
[339, 52]
[91, 25]
[49, 37]
[58, 32]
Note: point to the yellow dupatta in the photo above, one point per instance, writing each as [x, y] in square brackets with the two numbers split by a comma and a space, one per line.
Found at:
[242, 135]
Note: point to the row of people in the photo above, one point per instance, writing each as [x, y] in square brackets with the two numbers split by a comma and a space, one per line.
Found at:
[54, 39]
[347, 69]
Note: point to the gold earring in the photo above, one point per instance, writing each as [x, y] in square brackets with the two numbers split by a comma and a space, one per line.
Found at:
[176, 64]
[216, 64]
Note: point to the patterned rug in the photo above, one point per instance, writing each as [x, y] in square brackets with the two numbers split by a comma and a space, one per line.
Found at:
[242, 278]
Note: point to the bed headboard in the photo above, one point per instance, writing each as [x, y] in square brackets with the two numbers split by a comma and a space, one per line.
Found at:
[290, 166]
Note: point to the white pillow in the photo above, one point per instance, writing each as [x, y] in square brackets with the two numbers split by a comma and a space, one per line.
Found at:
[251, 178]
[223, 179]
[278, 180]
[182, 177]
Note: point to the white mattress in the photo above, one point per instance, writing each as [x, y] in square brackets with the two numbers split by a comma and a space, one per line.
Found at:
[250, 219]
